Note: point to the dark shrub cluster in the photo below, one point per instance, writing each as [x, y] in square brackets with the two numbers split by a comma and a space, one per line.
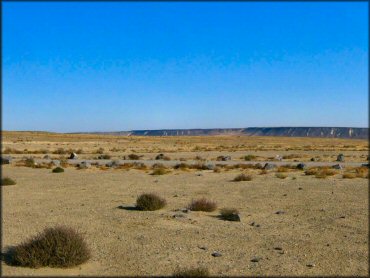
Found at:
[243, 177]
[54, 247]
[58, 170]
[7, 181]
[150, 201]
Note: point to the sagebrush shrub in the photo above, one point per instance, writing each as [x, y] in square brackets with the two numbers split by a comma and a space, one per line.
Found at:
[150, 201]
[202, 205]
[58, 170]
[243, 177]
[54, 247]
[7, 181]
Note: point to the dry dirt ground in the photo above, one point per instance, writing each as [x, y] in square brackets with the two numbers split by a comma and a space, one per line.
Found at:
[324, 221]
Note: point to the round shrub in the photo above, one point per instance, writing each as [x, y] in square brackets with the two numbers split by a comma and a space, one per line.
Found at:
[7, 181]
[202, 205]
[150, 201]
[58, 170]
[54, 247]
[243, 177]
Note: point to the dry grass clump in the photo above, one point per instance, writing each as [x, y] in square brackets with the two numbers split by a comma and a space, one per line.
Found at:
[7, 181]
[58, 170]
[263, 172]
[349, 176]
[182, 166]
[362, 172]
[150, 201]
[281, 175]
[230, 214]
[160, 171]
[217, 170]
[60, 151]
[311, 171]
[291, 156]
[243, 177]
[54, 247]
[133, 156]
[192, 272]
[202, 205]
[249, 157]
[324, 172]
[198, 157]
[104, 156]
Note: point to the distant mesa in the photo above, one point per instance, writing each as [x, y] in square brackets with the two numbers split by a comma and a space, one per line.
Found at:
[323, 132]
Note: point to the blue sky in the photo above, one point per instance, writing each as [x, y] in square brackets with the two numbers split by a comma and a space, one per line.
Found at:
[122, 66]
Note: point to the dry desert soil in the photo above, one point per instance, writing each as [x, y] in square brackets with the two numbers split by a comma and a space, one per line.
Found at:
[301, 225]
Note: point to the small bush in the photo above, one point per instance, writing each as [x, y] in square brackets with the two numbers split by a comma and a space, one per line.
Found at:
[29, 162]
[150, 201]
[243, 177]
[104, 156]
[349, 176]
[322, 173]
[7, 181]
[192, 272]
[58, 170]
[133, 157]
[362, 172]
[159, 171]
[202, 205]
[311, 171]
[263, 172]
[100, 151]
[249, 157]
[282, 169]
[182, 166]
[54, 247]
[280, 175]
[230, 214]
[60, 151]
[217, 170]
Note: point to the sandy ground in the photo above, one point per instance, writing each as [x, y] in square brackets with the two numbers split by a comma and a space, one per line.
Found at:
[324, 224]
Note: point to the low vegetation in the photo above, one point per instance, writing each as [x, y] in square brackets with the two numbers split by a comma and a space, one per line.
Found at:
[150, 201]
[7, 181]
[230, 214]
[192, 272]
[281, 175]
[202, 205]
[58, 170]
[249, 157]
[160, 171]
[54, 247]
[349, 176]
[243, 177]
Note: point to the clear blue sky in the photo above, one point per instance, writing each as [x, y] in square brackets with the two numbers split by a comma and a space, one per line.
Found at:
[122, 66]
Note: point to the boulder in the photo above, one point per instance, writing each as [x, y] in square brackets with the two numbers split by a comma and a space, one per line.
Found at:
[73, 156]
[337, 166]
[160, 156]
[340, 158]
[6, 160]
[278, 158]
[269, 166]
[365, 165]
[112, 164]
[210, 166]
[301, 166]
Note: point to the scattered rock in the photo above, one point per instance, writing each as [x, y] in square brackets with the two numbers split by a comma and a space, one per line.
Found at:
[340, 158]
[178, 215]
[210, 166]
[365, 165]
[203, 247]
[300, 188]
[252, 224]
[337, 166]
[278, 158]
[6, 160]
[285, 195]
[258, 225]
[310, 265]
[199, 174]
[278, 248]
[313, 159]
[73, 156]
[216, 254]
[112, 164]
[280, 212]
[256, 259]
[185, 210]
[301, 166]
[342, 216]
[269, 166]
[47, 156]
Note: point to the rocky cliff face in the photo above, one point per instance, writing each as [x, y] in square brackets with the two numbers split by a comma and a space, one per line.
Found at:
[324, 132]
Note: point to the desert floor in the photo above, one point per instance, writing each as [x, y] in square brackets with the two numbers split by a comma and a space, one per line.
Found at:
[323, 229]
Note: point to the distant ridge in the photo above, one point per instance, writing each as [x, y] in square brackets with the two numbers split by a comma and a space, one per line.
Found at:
[323, 132]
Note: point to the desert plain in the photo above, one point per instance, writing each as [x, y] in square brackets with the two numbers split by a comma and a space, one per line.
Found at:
[292, 223]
